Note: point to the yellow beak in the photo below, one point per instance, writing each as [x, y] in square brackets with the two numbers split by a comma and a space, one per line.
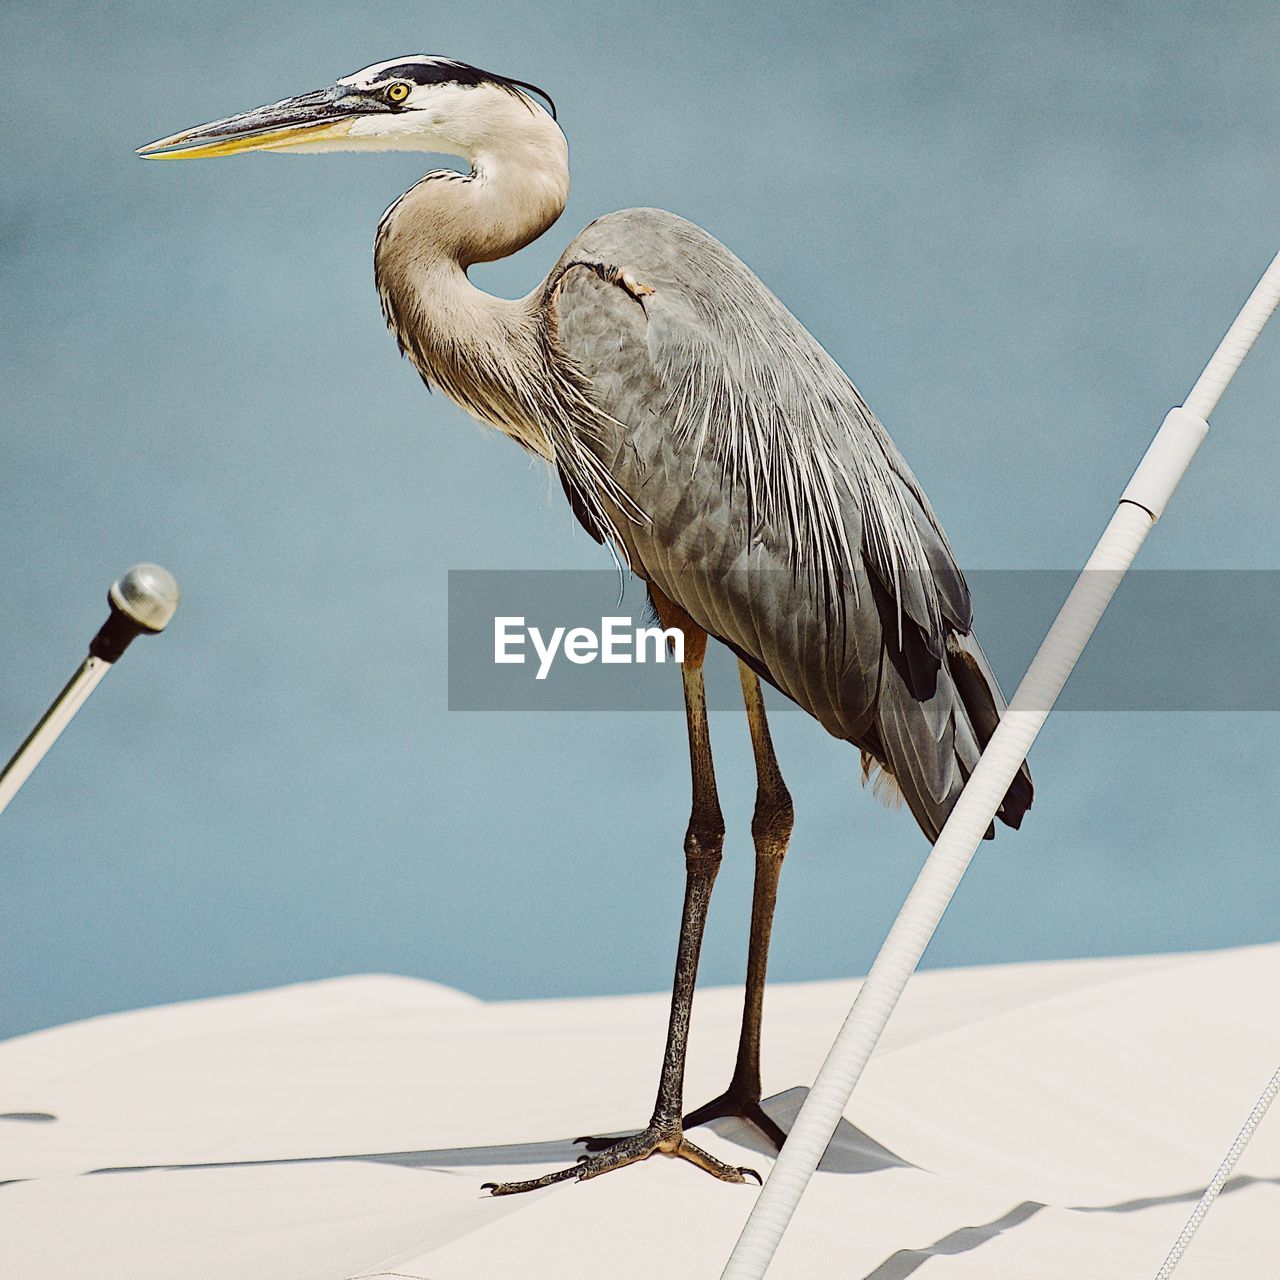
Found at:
[171, 148]
[322, 116]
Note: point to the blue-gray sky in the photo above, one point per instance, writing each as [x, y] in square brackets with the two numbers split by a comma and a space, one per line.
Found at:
[1020, 228]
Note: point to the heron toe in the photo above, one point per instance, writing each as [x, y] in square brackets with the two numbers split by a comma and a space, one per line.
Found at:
[639, 1146]
[743, 1107]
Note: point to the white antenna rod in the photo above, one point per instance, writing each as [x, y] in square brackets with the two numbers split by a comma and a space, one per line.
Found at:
[1141, 504]
[142, 603]
[1214, 1189]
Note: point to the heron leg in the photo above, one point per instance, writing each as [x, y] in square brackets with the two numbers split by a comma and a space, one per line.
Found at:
[771, 831]
[703, 842]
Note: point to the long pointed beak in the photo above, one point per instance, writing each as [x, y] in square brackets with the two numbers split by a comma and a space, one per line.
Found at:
[320, 116]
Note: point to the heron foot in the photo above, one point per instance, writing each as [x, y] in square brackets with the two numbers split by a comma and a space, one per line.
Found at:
[735, 1102]
[636, 288]
[615, 1154]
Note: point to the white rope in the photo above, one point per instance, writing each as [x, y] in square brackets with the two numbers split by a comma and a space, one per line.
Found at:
[1220, 1178]
[1159, 473]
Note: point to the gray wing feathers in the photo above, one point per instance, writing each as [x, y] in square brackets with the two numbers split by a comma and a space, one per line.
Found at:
[780, 516]
[984, 705]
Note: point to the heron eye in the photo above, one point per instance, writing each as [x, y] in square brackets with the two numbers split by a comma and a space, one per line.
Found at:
[397, 92]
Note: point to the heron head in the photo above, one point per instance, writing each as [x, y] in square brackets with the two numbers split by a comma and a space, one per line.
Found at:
[416, 103]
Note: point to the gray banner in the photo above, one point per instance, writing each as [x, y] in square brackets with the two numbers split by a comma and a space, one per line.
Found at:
[566, 640]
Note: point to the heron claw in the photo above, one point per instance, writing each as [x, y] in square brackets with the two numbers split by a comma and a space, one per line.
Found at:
[636, 288]
[595, 1142]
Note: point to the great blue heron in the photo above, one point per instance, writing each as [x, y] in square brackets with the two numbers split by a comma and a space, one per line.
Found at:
[699, 430]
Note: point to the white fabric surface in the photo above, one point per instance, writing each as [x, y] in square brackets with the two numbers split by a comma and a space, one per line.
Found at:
[1035, 1120]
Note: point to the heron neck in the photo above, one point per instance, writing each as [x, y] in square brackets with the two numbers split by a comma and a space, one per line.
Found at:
[471, 344]
[517, 187]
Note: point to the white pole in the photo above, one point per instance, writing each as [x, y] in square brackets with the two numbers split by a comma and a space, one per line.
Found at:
[1141, 504]
[45, 734]
[142, 603]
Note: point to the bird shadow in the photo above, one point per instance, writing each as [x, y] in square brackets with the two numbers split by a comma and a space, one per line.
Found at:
[851, 1151]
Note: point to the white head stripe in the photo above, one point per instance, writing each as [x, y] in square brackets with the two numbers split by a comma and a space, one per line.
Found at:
[370, 75]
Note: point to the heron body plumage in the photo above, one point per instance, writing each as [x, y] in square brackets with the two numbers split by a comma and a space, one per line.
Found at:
[700, 431]
[778, 513]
